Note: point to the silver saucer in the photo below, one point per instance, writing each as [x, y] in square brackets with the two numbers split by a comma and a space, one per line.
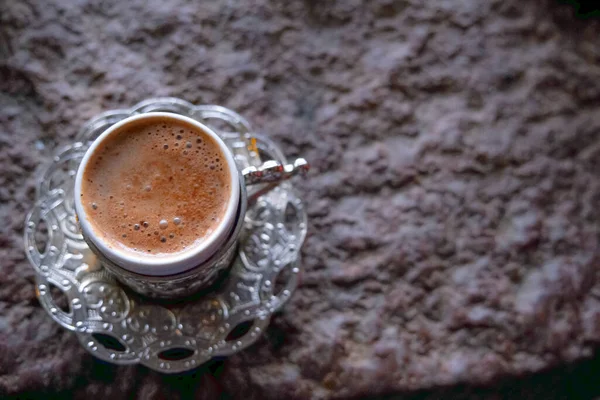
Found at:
[121, 327]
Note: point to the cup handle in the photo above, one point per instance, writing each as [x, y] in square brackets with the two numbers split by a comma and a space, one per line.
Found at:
[271, 173]
[274, 172]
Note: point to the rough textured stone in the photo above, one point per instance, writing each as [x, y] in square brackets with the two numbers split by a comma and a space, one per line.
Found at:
[454, 203]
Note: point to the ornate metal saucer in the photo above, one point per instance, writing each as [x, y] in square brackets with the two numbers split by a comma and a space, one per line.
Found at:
[119, 326]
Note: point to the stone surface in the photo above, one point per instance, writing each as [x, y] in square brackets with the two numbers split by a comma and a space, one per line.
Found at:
[454, 200]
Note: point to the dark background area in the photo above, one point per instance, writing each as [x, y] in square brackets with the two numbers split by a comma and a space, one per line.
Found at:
[453, 204]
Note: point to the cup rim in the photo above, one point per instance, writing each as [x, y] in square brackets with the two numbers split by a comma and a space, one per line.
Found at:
[155, 265]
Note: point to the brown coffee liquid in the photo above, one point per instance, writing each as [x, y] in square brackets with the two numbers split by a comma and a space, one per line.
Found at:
[156, 187]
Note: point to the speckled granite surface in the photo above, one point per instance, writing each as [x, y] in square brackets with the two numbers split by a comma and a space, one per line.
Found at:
[454, 203]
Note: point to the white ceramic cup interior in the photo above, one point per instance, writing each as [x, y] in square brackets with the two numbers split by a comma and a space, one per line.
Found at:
[161, 265]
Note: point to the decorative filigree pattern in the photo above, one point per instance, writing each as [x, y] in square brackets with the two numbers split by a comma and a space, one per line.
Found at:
[119, 326]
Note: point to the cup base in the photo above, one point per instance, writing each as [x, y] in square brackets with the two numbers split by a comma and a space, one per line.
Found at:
[121, 327]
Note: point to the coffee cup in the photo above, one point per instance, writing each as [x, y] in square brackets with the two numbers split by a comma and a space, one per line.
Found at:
[160, 200]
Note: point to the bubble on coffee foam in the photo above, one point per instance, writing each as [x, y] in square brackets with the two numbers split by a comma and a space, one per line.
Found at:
[163, 224]
[177, 220]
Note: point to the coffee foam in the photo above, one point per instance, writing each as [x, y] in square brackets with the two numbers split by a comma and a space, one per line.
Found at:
[157, 187]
